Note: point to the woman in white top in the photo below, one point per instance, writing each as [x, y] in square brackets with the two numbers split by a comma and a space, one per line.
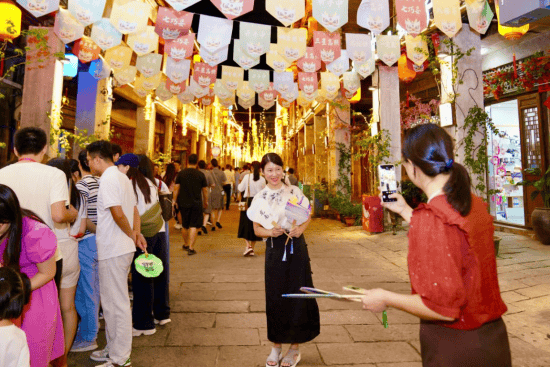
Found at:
[251, 184]
[150, 294]
[67, 243]
[287, 268]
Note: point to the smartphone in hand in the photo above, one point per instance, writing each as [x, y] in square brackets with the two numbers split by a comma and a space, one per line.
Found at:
[388, 181]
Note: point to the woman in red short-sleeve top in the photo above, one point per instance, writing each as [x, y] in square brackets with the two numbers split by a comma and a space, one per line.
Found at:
[452, 266]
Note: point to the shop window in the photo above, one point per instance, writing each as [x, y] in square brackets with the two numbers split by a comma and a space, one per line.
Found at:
[505, 163]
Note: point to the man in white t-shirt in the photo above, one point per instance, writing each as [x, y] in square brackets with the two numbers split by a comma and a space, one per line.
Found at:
[39, 188]
[117, 235]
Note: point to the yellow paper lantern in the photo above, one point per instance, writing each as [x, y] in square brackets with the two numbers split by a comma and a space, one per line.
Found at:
[510, 33]
[406, 73]
[356, 97]
[10, 21]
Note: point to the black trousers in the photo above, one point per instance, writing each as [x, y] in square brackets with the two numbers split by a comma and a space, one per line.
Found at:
[151, 295]
[227, 189]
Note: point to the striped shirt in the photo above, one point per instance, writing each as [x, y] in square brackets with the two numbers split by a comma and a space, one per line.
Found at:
[88, 187]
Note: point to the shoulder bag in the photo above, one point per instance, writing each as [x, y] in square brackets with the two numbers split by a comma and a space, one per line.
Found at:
[151, 221]
[165, 200]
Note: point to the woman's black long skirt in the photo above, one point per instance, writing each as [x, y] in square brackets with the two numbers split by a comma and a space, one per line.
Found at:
[246, 227]
[289, 320]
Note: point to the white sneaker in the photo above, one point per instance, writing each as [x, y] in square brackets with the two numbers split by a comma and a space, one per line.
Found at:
[128, 363]
[177, 226]
[162, 322]
[136, 332]
[100, 355]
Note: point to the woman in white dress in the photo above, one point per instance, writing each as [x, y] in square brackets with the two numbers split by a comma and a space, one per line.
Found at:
[287, 268]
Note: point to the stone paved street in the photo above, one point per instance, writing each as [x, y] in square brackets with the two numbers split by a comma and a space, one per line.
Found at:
[217, 299]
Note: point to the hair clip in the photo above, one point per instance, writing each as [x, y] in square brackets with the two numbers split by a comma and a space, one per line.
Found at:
[449, 164]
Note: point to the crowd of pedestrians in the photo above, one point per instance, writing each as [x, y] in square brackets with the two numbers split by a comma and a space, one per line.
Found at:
[71, 232]
[68, 249]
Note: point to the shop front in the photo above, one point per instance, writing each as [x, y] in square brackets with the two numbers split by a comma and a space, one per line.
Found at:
[519, 145]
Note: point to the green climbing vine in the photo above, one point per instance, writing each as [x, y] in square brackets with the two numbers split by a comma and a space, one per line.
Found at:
[435, 63]
[477, 124]
[66, 139]
[38, 37]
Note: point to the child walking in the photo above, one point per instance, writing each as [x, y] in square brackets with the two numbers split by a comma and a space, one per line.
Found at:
[15, 292]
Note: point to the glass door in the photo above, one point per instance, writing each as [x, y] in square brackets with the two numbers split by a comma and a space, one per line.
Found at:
[505, 164]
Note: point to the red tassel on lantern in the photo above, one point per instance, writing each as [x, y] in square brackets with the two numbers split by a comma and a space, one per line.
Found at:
[515, 67]
[408, 99]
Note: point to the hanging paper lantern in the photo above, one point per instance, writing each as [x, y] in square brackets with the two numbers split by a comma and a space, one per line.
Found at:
[119, 56]
[332, 14]
[66, 27]
[241, 58]
[125, 75]
[245, 92]
[406, 73]
[130, 17]
[311, 62]
[10, 21]
[86, 49]
[286, 11]
[233, 8]
[87, 12]
[510, 33]
[291, 43]
[254, 38]
[258, 80]
[204, 74]
[145, 42]
[149, 65]
[39, 8]
[275, 60]
[356, 97]
[105, 34]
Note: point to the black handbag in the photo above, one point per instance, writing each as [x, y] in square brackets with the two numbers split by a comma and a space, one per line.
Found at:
[165, 200]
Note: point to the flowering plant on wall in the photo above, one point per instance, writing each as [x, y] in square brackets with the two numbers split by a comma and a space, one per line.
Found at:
[414, 112]
[520, 76]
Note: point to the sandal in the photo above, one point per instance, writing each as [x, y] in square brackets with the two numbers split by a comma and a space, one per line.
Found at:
[185, 248]
[292, 358]
[249, 251]
[274, 357]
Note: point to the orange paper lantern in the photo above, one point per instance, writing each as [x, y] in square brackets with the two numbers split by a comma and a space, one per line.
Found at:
[406, 73]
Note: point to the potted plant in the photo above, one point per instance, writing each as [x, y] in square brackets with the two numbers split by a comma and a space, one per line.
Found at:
[335, 201]
[376, 149]
[350, 212]
[320, 198]
[540, 218]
